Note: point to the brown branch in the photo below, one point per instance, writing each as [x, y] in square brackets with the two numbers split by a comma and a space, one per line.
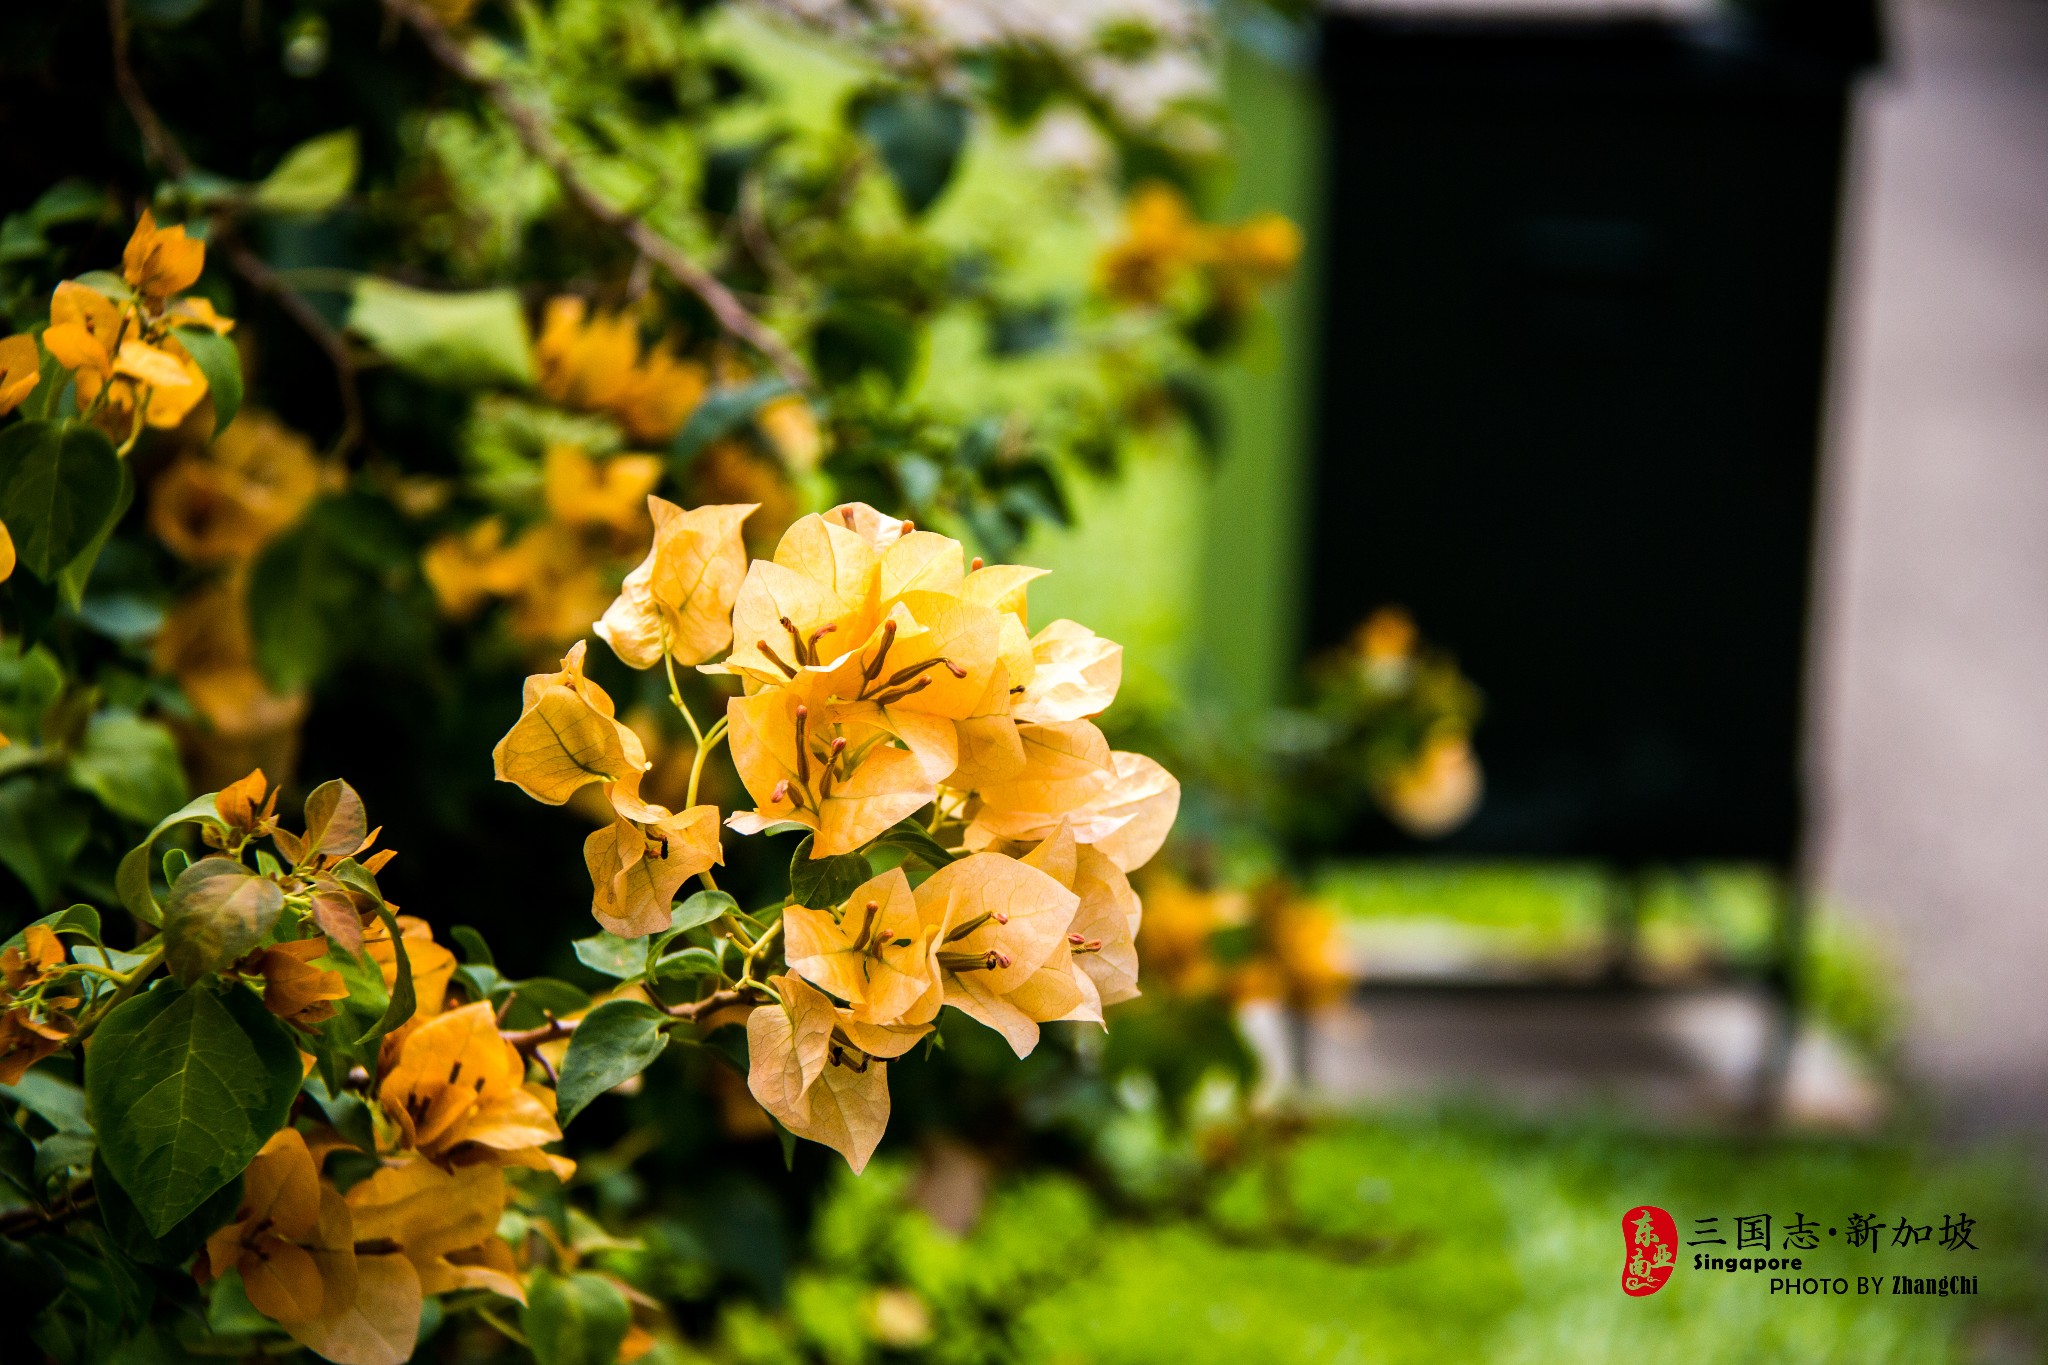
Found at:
[162, 147]
[710, 1004]
[323, 334]
[540, 140]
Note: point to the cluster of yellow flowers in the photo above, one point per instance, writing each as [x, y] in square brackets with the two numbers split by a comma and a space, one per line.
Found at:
[1164, 244]
[346, 1273]
[38, 1001]
[559, 571]
[1282, 946]
[120, 344]
[888, 684]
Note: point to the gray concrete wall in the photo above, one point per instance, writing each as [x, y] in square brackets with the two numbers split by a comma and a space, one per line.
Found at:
[1931, 698]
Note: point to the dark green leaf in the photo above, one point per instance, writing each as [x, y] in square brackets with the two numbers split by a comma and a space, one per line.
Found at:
[613, 1043]
[80, 918]
[861, 336]
[535, 999]
[18, 1160]
[722, 412]
[607, 953]
[216, 912]
[475, 951]
[182, 1087]
[72, 580]
[52, 1099]
[131, 878]
[218, 360]
[919, 136]
[131, 765]
[132, 1236]
[402, 1001]
[916, 842]
[688, 963]
[700, 909]
[822, 883]
[335, 820]
[579, 1319]
[41, 832]
[346, 1111]
[59, 484]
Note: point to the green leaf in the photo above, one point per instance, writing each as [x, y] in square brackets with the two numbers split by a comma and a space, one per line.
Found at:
[221, 363]
[475, 952]
[403, 1002]
[72, 580]
[41, 832]
[132, 1236]
[313, 177]
[534, 999]
[607, 953]
[699, 910]
[722, 412]
[473, 340]
[335, 820]
[131, 765]
[688, 963]
[822, 883]
[183, 1086]
[613, 1043]
[131, 878]
[916, 842]
[52, 1099]
[579, 1319]
[216, 912]
[919, 136]
[80, 918]
[18, 1159]
[59, 484]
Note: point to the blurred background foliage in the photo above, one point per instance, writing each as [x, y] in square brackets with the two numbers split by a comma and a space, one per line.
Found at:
[1033, 292]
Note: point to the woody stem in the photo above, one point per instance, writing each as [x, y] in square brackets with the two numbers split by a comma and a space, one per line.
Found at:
[136, 975]
[540, 140]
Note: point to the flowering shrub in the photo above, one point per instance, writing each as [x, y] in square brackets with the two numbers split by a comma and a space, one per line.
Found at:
[297, 1090]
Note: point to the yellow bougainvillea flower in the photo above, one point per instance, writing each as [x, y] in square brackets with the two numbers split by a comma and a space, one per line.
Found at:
[1123, 804]
[566, 737]
[1075, 675]
[811, 606]
[84, 332]
[6, 565]
[294, 989]
[158, 262]
[459, 1096]
[20, 370]
[637, 864]
[31, 1032]
[682, 594]
[1263, 249]
[199, 312]
[1000, 928]
[226, 503]
[279, 1212]
[468, 568]
[610, 493]
[814, 776]
[792, 429]
[1102, 940]
[1438, 790]
[444, 1222]
[1162, 239]
[593, 363]
[658, 396]
[875, 953]
[433, 968]
[818, 1086]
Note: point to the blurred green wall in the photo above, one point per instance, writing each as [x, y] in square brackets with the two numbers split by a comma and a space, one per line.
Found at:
[1196, 568]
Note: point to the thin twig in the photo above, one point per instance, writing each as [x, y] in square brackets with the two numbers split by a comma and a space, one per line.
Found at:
[163, 148]
[331, 342]
[540, 140]
[710, 1004]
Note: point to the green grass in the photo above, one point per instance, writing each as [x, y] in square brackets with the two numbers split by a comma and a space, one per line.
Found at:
[1518, 1257]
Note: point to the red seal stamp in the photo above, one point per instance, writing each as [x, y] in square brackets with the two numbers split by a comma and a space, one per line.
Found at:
[1650, 1241]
